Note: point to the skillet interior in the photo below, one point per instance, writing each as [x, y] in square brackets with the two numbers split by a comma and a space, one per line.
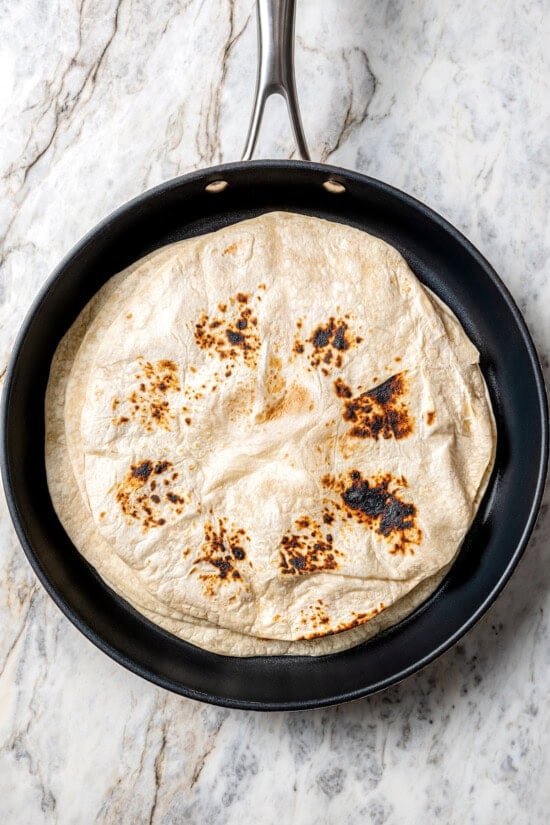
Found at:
[444, 261]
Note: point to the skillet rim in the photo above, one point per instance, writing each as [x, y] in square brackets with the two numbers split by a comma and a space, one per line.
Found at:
[206, 176]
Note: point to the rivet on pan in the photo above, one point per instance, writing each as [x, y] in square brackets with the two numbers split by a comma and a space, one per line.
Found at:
[216, 186]
[334, 187]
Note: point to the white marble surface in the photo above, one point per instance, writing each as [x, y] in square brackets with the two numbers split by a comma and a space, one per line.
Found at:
[449, 100]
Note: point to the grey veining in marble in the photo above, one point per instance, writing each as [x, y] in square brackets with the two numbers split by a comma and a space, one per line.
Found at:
[100, 99]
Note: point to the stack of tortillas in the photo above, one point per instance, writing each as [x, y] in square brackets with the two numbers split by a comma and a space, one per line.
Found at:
[271, 439]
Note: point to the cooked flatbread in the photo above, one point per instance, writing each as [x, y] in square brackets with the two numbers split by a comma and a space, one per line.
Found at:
[65, 396]
[282, 435]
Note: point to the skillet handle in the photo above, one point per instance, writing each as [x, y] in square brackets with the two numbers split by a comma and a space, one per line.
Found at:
[276, 70]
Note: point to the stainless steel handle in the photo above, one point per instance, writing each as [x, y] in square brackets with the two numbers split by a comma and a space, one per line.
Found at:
[276, 70]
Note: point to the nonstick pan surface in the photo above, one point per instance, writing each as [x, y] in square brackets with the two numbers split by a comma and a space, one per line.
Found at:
[443, 260]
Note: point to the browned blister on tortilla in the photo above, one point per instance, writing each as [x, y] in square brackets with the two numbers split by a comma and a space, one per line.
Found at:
[381, 412]
[149, 494]
[322, 627]
[326, 346]
[222, 558]
[378, 503]
[232, 333]
[307, 549]
[148, 402]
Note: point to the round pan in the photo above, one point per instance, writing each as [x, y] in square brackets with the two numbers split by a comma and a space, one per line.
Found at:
[442, 259]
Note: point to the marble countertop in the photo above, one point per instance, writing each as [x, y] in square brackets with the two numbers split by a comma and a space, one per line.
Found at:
[100, 99]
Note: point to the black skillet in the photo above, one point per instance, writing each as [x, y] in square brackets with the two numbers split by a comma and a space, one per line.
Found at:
[441, 257]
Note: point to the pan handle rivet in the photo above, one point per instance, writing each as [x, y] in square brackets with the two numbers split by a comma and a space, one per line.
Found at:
[216, 186]
[334, 187]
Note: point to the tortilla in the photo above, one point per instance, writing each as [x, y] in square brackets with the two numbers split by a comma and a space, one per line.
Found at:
[63, 406]
[296, 311]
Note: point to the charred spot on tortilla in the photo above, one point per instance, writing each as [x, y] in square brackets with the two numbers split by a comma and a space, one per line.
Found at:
[143, 470]
[327, 342]
[358, 619]
[228, 338]
[376, 503]
[321, 337]
[222, 549]
[430, 417]
[162, 375]
[334, 333]
[162, 466]
[307, 550]
[315, 616]
[174, 498]
[234, 337]
[148, 404]
[342, 390]
[339, 340]
[387, 392]
[136, 497]
[377, 413]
